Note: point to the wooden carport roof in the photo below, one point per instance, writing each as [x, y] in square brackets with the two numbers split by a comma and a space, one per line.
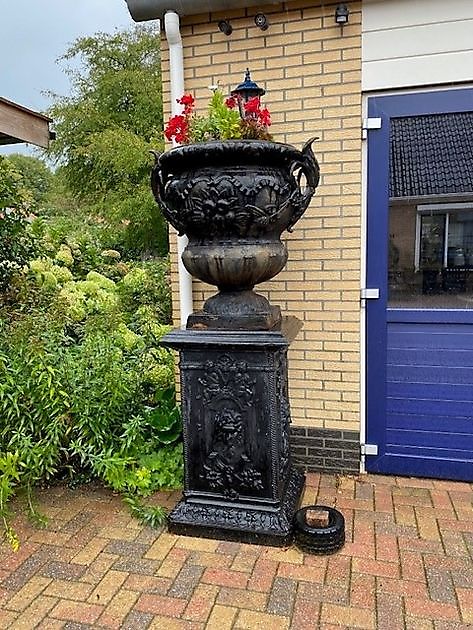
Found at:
[19, 124]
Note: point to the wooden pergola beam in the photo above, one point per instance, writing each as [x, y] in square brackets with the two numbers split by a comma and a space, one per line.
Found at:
[19, 124]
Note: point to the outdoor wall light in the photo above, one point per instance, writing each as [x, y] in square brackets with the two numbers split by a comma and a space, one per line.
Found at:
[248, 89]
[341, 14]
[225, 27]
[261, 21]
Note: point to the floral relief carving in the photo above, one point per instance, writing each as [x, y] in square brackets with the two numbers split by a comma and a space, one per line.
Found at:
[227, 389]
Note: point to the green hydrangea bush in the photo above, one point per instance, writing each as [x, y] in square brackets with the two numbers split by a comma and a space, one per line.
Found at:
[86, 391]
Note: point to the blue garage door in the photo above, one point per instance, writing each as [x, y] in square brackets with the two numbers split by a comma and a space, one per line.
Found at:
[420, 257]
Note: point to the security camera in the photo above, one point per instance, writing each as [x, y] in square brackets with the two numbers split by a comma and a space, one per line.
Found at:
[225, 27]
[261, 21]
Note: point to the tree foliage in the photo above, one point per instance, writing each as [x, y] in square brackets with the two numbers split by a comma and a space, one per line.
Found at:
[36, 177]
[16, 243]
[106, 128]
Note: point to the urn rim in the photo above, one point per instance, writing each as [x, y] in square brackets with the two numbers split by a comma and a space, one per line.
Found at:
[232, 151]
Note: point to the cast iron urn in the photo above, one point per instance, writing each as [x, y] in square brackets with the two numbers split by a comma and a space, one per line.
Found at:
[233, 199]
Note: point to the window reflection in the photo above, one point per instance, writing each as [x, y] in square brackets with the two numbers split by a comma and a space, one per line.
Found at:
[431, 255]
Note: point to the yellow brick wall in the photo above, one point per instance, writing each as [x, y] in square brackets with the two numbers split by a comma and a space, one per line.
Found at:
[311, 71]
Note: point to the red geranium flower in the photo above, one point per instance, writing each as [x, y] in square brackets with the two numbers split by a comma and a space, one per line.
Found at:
[177, 128]
[252, 106]
[231, 102]
[264, 117]
[188, 101]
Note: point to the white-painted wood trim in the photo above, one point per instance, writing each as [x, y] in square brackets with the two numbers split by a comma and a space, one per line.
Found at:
[409, 44]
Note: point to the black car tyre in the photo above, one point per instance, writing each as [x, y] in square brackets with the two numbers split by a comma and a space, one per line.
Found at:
[319, 540]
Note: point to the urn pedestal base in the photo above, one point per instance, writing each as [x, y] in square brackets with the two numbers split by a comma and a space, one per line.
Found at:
[258, 524]
[239, 483]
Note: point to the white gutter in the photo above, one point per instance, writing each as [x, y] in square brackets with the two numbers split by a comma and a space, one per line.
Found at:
[176, 66]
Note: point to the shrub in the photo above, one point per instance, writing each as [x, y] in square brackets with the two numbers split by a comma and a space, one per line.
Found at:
[85, 389]
[16, 242]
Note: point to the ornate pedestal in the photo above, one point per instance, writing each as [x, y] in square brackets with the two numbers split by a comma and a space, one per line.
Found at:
[239, 481]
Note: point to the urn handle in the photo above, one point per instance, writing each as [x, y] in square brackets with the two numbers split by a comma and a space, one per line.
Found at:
[158, 186]
[308, 167]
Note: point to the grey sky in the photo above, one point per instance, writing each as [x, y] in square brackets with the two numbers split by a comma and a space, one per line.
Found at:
[34, 33]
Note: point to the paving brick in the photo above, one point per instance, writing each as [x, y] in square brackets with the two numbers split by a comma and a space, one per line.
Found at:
[19, 577]
[338, 570]
[35, 613]
[107, 587]
[173, 563]
[147, 584]
[137, 620]
[126, 548]
[118, 608]
[414, 623]
[206, 559]
[63, 570]
[201, 603]
[290, 555]
[465, 600]
[348, 616]
[161, 605]
[245, 560]
[160, 622]
[281, 599]
[250, 620]
[387, 548]
[412, 566]
[229, 548]
[186, 581]
[90, 551]
[131, 564]
[304, 572]
[225, 577]
[197, 544]
[161, 547]
[117, 533]
[81, 612]
[440, 585]
[77, 591]
[263, 574]
[390, 612]
[375, 567]
[402, 587]
[427, 525]
[306, 614]
[7, 617]
[221, 618]
[242, 598]
[417, 607]
[23, 598]
[98, 568]
[362, 591]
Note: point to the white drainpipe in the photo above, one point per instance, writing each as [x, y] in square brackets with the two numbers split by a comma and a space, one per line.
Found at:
[176, 65]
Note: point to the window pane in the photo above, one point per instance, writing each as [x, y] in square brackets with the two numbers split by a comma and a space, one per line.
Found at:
[430, 256]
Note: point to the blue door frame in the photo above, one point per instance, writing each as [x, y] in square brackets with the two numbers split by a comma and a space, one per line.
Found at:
[378, 315]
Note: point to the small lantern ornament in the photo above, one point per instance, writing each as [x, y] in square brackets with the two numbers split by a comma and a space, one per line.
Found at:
[248, 89]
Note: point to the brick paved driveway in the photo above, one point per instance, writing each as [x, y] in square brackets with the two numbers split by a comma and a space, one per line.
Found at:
[408, 563]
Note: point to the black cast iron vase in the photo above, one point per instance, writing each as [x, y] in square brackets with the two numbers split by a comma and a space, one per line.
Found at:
[233, 199]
